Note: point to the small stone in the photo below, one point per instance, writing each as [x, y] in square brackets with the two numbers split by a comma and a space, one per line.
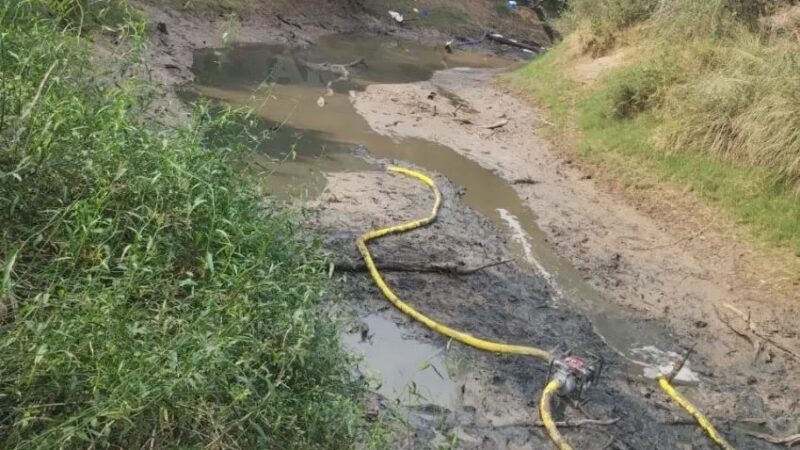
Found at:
[700, 324]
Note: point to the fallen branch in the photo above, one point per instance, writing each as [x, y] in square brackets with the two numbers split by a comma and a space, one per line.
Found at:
[580, 422]
[788, 441]
[758, 346]
[441, 268]
[287, 22]
[677, 367]
[756, 332]
[493, 126]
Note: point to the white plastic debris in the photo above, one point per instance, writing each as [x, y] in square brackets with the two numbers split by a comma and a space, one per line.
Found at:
[396, 16]
[321, 102]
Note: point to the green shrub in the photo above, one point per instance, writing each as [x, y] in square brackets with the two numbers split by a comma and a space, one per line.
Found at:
[741, 105]
[606, 18]
[638, 88]
[149, 297]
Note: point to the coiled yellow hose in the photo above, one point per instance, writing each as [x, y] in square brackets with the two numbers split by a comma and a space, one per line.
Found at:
[459, 336]
[702, 420]
[553, 386]
[546, 415]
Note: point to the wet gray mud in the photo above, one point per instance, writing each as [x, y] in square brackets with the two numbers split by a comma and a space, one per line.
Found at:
[322, 152]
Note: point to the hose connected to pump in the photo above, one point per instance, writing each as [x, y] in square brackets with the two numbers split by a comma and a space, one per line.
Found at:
[702, 421]
[464, 338]
[571, 373]
[546, 415]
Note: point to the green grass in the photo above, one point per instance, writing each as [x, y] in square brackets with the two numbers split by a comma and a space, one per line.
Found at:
[631, 147]
[149, 296]
[544, 80]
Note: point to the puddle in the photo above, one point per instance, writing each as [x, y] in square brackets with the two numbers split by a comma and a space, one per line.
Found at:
[239, 76]
[387, 60]
[412, 372]
[653, 360]
[294, 162]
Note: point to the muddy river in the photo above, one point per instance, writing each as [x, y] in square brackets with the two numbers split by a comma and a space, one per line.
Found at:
[317, 131]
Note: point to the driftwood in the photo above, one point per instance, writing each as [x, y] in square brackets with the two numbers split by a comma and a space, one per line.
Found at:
[492, 126]
[440, 268]
[503, 40]
[343, 70]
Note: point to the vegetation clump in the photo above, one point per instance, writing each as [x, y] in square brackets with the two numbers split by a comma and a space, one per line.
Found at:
[149, 296]
[701, 93]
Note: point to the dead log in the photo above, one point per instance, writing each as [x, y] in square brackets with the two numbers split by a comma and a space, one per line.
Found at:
[450, 268]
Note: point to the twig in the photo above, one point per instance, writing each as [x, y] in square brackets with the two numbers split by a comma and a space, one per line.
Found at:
[526, 180]
[292, 24]
[29, 108]
[753, 329]
[677, 367]
[442, 268]
[788, 441]
[485, 266]
[757, 346]
[493, 126]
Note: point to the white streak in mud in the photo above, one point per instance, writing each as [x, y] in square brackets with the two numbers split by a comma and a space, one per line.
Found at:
[519, 236]
[657, 360]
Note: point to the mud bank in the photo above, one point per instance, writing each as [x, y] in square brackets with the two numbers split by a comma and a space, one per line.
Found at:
[655, 277]
[639, 264]
[495, 402]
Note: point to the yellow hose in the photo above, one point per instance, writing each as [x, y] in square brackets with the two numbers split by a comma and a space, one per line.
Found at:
[702, 420]
[547, 416]
[459, 336]
[553, 386]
